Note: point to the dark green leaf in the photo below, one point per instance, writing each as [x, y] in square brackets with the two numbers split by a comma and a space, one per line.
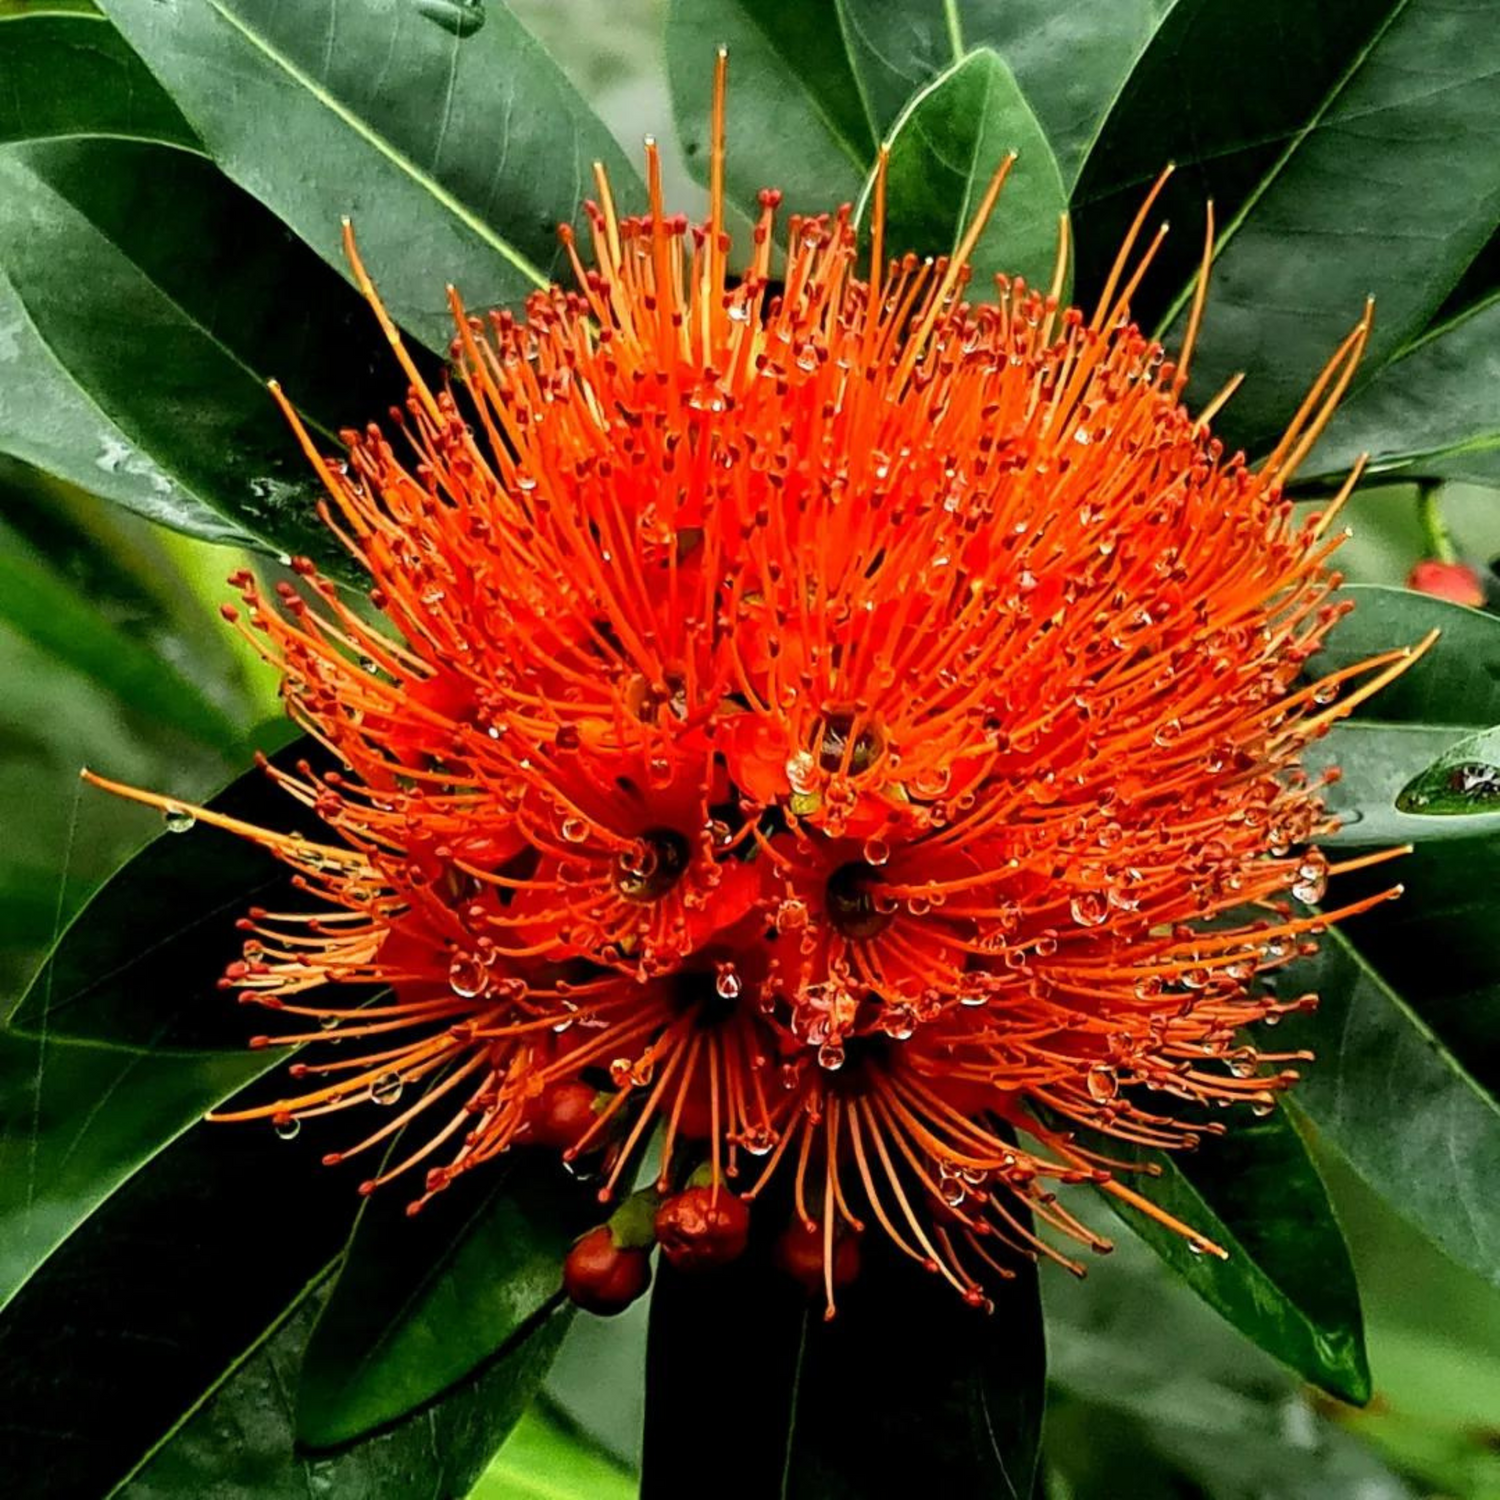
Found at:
[906, 1391]
[78, 1119]
[1462, 781]
[1456, 682]
[149, 1304]
[49, 50]
[140, 965]
[1366, 159]
[39, 604]
[241, 1442]
[151, 300]
[795, 121]
[456, 151]
[1287, 1284]
[1433, 412]
[1070, 57]
[1394, 1100]
[422, 1303]
[943, 151]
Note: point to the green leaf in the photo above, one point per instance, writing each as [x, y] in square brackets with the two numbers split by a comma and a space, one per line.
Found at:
[794, 118]
[1365, 160]
[945, 148]
[1462, 781]
[420, 1304]
[907, 1391]
[1070, 57]
[1451, 691]
[455, 155]
[1456, 682]
[140, 964]
[1396, 1102]
[78, 1119]
[1376, 760]
[541, 1460]
[51, 47]
[150, 302]
[65, 624]
[150, 1302]
[241, 1441]
[1432, 413]
[1287, 1284]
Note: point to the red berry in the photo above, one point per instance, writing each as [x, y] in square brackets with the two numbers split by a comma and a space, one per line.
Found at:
[603, 1277]
[702, 1227]
[799, 1252]
[563, 1114]
[1454, 581]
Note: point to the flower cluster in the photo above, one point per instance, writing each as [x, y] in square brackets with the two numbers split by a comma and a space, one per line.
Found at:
[845, 728]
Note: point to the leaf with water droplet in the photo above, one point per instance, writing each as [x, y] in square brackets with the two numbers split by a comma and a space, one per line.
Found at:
[461, 17]
[1462, 781]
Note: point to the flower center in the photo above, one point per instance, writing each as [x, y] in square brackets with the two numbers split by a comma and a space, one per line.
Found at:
[653, 866]
[850, 901]
[838, 730]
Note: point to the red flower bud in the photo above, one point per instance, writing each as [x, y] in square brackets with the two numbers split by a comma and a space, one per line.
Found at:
[603, 1277]
[799, 1252]
[563, 1113]
[1455, 581]
[701, 1228]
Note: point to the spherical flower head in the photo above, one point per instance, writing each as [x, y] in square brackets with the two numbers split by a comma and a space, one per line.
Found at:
[846, 724]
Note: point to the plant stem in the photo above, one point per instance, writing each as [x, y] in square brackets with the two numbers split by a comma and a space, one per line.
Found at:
[1434, 528]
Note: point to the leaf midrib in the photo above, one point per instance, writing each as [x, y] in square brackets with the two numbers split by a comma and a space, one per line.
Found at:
[1294, 144]
[335, 106]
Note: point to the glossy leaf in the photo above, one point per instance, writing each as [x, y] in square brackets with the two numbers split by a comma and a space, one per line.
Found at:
[151, 1301]
[39, 604]
[456, 152]
[1287, 1284]
[945, 148]
[79, 1119]
[1397, 1103]
[795, 120]
[1462, 781]
[242, 1443]
[1433, 412]
[541, 1460]
[1070, 57]
[1365, 160]
[152, 301]
[906, 1391]
[1456, 682]
[1376, 761]
[139, 966]
[420, 1304]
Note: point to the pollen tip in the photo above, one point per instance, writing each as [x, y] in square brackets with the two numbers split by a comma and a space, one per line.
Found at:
[333, 1158]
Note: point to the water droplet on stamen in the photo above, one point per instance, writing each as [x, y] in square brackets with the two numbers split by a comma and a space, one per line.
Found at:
[287, 1127]
[386, 1089]
[177, 819]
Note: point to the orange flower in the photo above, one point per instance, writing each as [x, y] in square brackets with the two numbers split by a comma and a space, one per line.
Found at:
[843, 723]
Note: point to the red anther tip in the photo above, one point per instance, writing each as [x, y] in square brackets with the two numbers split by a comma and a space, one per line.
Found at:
[333, 1159]
[366, 1187]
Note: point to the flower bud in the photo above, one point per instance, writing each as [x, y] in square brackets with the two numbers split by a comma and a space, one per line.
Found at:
[1455, 581]
[604, 1277]
[563, 1114]
[702, 1227]
[799, 1252]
